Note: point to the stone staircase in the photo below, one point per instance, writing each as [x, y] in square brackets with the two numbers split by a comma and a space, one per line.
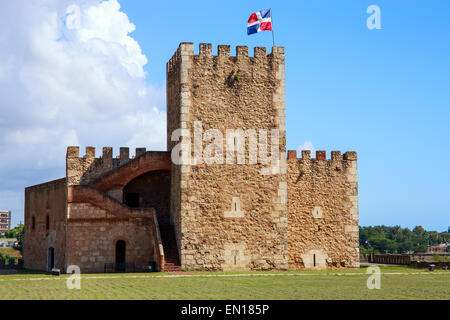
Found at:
[111, 206]
[171, 257]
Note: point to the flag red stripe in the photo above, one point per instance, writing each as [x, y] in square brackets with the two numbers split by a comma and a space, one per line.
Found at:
[265, 26]
[253, 18]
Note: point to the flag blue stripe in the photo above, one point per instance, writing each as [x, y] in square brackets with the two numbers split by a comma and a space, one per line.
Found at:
[253, 29]
[265, 13]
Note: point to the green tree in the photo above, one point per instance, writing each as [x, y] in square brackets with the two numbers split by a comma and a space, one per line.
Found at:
[16, 233]
[385, 239]
[419, 230]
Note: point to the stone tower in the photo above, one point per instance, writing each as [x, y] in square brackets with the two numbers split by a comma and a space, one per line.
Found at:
[224, 196]
[228, 213]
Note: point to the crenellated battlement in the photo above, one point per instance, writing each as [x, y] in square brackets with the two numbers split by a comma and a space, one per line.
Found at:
[107, 152]
[186, 49]
[339, 164]
[82, 170]
[322, 156]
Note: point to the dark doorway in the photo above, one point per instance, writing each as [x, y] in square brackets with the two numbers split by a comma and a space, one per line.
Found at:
[51, 258]
[120, 256]
[132, 200]
[150, 190]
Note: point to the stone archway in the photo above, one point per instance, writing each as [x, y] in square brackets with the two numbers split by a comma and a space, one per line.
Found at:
[150, 190]
[118, 178]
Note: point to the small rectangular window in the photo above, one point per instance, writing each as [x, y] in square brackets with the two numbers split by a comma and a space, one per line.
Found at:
[47, 223]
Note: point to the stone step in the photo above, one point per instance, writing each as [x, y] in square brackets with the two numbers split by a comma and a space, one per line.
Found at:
[173, 270]
[172, 261]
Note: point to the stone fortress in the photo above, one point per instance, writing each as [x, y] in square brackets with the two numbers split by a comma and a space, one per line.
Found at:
[121, 212]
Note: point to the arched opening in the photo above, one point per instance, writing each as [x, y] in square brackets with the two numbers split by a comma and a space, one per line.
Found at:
[51, 258]
[150, 190]
[120, 255]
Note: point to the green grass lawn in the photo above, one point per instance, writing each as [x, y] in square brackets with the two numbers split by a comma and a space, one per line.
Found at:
[396, 283]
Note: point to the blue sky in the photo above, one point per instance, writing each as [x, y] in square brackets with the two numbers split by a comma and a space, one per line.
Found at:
[383, 93]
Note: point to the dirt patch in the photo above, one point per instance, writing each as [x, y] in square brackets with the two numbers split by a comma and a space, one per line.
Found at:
[11, 252]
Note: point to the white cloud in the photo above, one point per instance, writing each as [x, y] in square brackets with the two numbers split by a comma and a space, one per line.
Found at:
[61, 86]
[307, 145]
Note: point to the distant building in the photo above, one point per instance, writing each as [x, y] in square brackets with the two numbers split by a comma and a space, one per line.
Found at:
[5, 221]
[439, 248]
[8, 242]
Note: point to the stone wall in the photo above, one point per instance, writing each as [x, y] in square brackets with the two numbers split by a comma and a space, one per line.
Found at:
[87, 219]
[48, 199]
[84, 194]
[96, 222]
[177, 87]
[84, 170]
[323, 210]
[414, 259]
[229, 216]
[92, 243]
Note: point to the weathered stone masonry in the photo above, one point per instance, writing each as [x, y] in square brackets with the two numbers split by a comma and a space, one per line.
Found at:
[87, 214]
[293, 213]
[323, 216]
[225, 92]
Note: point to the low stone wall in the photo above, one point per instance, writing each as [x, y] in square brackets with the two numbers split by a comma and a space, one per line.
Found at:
[424, 264]
[402, 259]
[421, 260]
[430, 257]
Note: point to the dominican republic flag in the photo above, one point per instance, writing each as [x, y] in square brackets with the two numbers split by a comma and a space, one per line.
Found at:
[260, 21]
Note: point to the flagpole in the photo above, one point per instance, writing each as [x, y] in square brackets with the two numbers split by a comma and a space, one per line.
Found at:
[271, 18]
